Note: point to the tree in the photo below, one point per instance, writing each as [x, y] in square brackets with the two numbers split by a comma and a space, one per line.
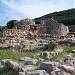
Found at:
[10, 24]
[2, 29]
[51, 46]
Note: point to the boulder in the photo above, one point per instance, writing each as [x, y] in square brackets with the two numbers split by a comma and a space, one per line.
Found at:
[27, 68]
[39, 72]
[32, 62]
[73, 62]
[12, 64]
[46, 55]
[73, 51]
[56, 71]
[2, 67]
[24, 59]
[49, 66]
[62, 72]
[69, 69]
[3, 62]
[21, 73]
[41, 59]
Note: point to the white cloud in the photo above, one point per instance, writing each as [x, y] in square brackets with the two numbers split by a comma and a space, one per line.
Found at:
[18, 9]
[32, 11]
[74, 3]
[28, 10]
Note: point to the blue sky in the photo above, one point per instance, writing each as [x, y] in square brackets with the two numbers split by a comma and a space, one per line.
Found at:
[21, 9]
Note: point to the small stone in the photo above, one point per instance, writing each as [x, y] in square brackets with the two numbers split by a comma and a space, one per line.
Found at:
[25, 59]
[32, 62]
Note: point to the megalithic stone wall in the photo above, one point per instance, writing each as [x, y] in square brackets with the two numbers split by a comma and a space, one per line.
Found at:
[51, 26]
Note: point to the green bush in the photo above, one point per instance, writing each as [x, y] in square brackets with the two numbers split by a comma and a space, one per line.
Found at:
[51, 46]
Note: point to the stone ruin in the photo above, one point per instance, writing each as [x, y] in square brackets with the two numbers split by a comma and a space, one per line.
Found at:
[49, 26]
[52, 26]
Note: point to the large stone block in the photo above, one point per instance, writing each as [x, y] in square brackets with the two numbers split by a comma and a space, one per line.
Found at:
[25, 59]
[69, 69]
[27, 68]
[32, 62]
[49, 66]
[12, 64]
[39, 72]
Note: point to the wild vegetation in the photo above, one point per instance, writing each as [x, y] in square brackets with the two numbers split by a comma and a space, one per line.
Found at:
[16, 55]
[10, 24]
[66, 17]
[2, 29]
[9, 72]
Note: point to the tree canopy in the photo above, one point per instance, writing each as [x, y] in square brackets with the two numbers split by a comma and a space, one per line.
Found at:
[10, 24]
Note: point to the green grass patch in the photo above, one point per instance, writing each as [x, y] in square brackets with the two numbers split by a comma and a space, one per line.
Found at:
[69, 49]
[73, 55]
[58, 57]
[14, 55]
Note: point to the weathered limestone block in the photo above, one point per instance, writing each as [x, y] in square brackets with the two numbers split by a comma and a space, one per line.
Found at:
[27, 68]
[21, 73]
[32, 62]
[49, 66]
[2, 67]
[25, 59]
[12, 64]
[68, 69]
[39, 72]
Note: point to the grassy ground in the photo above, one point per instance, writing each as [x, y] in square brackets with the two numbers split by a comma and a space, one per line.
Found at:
[74, 55]
[63, 54]
[15, 55]
[58, 57]
[69, 49]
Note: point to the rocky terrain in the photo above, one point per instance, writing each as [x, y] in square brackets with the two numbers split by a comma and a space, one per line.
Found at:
[42, 65]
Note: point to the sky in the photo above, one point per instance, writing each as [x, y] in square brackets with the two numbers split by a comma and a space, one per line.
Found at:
[21, 9]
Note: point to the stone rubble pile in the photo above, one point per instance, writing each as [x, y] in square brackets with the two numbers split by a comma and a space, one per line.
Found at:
[28, 60]
[4, 64]
[49, 68]
[65, 66]
[55, 68]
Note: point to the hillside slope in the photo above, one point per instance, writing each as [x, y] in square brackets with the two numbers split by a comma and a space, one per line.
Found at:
[66, 17]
